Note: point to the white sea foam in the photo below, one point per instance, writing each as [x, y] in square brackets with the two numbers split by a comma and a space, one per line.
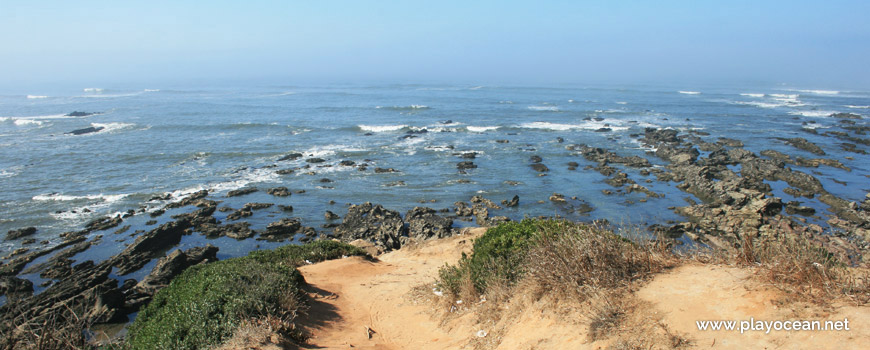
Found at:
[481, 128]
[381, 128]
[36, 97]
[544, 108]
[24, 122]
[152, 90]
[404, 107]
[100, 95]
[63, 198]
[812, 114]
[475, 88]
[775, 101]
[760, 104]
[747, 94]
[857, 107]
[92, 90]
[621, 103]
[689, 92]
[820, 92]
[815, 126]
[110, 127]
[566, 127]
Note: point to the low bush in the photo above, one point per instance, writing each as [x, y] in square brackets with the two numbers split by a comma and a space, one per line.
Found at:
[204, 305]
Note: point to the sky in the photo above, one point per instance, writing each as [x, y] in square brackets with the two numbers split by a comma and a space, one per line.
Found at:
[813, 43]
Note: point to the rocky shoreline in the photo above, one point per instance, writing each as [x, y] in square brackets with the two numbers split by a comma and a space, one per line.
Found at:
[736, 204]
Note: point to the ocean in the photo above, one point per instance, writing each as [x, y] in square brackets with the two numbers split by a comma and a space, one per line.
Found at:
[154, 140]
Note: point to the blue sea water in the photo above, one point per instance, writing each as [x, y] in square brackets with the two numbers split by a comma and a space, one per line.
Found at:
[178, 140]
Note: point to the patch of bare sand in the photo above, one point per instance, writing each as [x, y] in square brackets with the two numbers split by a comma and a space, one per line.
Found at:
[707, 292]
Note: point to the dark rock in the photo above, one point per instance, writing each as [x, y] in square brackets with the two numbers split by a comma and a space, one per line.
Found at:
[283, 227]
[284, 171]
[347, 163]
[194, 198]
[373, 223]
[465, 165]
[242, 191]
[87, 130]
[285, 208]
[424, 223]
[469, 155]
[176, 262]
[488, 203]
[794, 207]
[79, 114]
[502, 141]
[149, 244]
[279, 191]
[171, 265]
[331, 216]
[291, 156]
[462, 209]
[603, 130]
[385, 170]
[512, 203]
[103, 223]
[239, 230]
[22, 232]
[15, 288]
[802, 143]
[535, 159]
[729, 142]
[540, 167]
[845, 116]
[315, 160]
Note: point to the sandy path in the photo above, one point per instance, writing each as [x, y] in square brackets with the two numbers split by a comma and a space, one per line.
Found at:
[353, 293]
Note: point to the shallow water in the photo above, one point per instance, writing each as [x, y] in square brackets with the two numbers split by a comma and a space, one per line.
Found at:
[157, 140]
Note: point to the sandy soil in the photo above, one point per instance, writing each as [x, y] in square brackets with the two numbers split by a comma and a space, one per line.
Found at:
[361, 304]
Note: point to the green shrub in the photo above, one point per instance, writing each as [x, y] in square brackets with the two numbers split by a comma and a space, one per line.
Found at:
[204, 305]
[498, 256]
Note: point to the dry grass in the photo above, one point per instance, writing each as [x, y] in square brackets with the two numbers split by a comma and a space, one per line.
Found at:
[804, 270]
[263, 333]
[579, 261]
[60, 330]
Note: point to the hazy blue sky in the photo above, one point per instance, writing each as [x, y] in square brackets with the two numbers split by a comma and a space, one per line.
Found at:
[823, 43]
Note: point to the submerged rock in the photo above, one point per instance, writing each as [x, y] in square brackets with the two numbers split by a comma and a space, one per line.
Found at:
[22, 232]
[87, 130]
[242, 191]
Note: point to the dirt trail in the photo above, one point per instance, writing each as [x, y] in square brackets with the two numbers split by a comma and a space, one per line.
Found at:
[353, 293]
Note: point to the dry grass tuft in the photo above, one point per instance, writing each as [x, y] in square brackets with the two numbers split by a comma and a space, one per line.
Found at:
[804, 270]
[580, 261]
